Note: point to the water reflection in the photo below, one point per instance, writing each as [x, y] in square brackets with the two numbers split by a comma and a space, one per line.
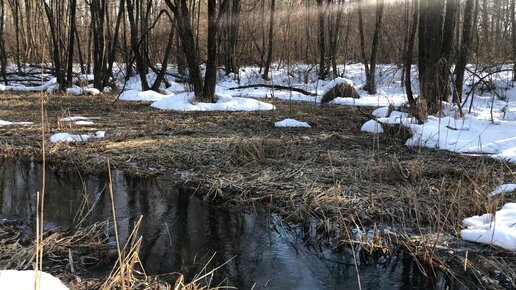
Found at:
[181, 232]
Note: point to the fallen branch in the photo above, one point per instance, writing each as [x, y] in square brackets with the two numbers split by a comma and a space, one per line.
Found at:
[277, 88]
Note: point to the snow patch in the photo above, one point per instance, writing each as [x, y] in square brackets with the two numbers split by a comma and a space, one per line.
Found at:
[185, 102]
[24, 280]
[8, 123]
[372, 126]
[145, 96]
[292, 123]
[498, 230]
[67, 137]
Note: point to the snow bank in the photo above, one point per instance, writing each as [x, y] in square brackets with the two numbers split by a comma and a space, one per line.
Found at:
[49, 86]
[8, 123]
[24, 280]
[372, 126]
[378, 100]
[145, 96]
[67, 137]
[498, 230]
[184, 102]
[467, 135]
[291, 123]
[382, 112]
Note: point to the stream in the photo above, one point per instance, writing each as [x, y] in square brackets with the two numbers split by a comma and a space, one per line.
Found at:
[182, 232]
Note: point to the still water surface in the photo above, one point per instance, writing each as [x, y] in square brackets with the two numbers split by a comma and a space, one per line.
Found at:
[181, 233]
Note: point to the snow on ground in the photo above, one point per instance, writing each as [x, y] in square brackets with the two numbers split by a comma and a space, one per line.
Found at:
[145, 96]
[502, 189]
[80, 120]
[67, 137]
[49, 86]
[185, 102]
[498, 229]
[372, 126]
[291, 123]
[24, 280]
[8, 123]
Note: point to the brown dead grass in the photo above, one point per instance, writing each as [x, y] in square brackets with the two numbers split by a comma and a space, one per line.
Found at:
[331, 172]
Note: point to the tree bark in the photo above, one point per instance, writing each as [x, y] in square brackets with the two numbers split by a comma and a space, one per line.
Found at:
[270, 41]
[465, 48]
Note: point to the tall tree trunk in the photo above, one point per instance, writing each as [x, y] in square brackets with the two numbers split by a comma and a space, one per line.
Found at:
[408, 59]
[270, 42]
[513, 12]
[71, 36]
[433, 84]
[185, 33]
[210, 79]
[56, 51]
[321, 38]
[3, 56]
[140, 61]
[370, 69]
[465, 48]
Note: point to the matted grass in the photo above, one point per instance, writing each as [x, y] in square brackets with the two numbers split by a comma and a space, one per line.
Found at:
[331, 173]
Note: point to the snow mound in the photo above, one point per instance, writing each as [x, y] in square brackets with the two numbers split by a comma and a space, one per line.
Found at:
[67, 137]
[372, 126]
[75, 90]
[145, 96]
[382, 112]
[498, 230]
[184, 102]
[292, 123]
[24, 280]
[326, 87]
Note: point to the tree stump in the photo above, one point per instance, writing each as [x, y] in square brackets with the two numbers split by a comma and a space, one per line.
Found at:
[342, 90]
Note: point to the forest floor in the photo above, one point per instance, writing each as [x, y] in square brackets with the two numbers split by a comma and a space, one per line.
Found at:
[332, 173]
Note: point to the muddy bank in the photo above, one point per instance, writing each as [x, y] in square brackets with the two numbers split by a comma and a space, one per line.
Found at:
[332, 173]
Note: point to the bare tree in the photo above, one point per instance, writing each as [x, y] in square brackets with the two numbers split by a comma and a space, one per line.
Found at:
[465, 47]
[408, 57]
[203, 90]
[270, 41]
[370, 68]
[434, 38]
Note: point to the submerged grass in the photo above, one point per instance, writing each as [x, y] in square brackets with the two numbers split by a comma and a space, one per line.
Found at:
[332, 174]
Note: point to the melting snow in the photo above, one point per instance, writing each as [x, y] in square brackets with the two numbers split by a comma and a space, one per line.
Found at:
[24, 280]
[66, 137]
[291, 123]
[498, 230]
[185, 102]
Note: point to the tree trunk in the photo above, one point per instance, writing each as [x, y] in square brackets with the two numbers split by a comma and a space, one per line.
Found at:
[321, 38]
[270, 43]
[56, 52]
[3, 56]
[465, 48]
[513, 12]
[140, 61]
[433, 84]
[408, 59]
[71, 36]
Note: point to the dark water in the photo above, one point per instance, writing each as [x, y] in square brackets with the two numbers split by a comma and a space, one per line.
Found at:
[182, 232]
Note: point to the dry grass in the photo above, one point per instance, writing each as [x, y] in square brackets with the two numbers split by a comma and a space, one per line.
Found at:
[332, 172]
